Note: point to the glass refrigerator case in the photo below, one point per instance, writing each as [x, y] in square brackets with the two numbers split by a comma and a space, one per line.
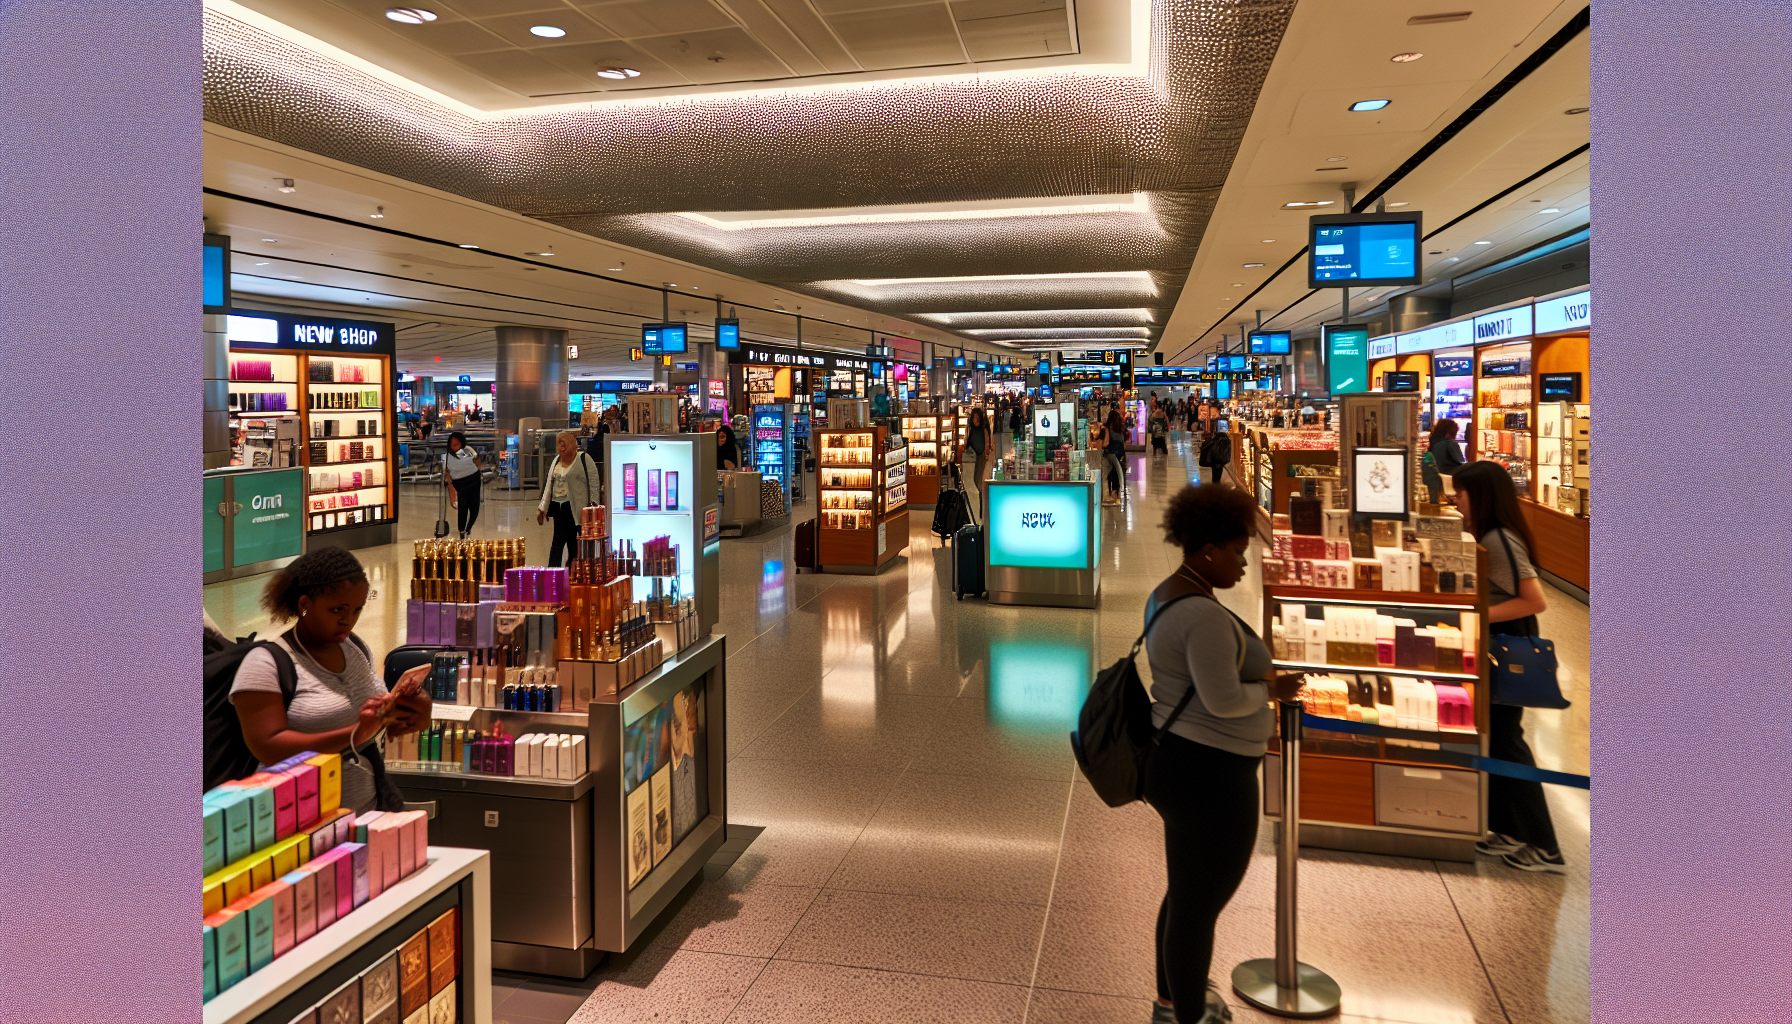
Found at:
[1503, 411]
[772, 440]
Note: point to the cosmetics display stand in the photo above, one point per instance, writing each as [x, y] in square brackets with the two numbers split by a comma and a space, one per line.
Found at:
[861, 498]
[334, 380]
[1044, 543]
[932, 439]
[318, 969]
[1359, 793]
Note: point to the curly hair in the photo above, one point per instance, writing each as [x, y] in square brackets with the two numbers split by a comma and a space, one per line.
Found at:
[1208, 514]
[313, 573]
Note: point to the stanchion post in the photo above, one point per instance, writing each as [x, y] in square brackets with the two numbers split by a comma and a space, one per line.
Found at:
[1284, 986]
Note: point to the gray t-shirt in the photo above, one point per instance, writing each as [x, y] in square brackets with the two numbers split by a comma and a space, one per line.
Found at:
[1195, 642]
[324, 701]
[1500, 584]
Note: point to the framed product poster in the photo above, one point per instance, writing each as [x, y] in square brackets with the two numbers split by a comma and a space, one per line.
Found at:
[640, 835]
[1378, 482]
[661, 804]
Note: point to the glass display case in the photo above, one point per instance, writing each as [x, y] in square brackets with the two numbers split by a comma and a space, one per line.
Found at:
[1503, 410]
[862, 491]
[932, 440]
[1563, 472]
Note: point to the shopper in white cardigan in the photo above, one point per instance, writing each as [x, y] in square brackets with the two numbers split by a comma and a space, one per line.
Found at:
[571, 483]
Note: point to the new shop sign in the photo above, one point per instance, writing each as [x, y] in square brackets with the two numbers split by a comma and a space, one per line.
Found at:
[1039, 525]
[1505, 324]
[1381, 348]
[281, 330]
[1566, 313]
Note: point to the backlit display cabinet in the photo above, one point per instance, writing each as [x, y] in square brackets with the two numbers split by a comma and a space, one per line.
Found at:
[773, 453]
[319, 392]
[862, 498]
[1503, 410]
[662, 492]
[931, 442]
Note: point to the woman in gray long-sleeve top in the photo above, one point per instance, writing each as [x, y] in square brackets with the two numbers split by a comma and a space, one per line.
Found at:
[1202, 779]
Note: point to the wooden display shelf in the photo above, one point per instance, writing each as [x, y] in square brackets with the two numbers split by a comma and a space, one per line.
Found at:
[1563, 542]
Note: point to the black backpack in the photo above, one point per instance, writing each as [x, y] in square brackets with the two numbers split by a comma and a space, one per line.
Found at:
[227, 755]
[1211, 448]
[1114, 730]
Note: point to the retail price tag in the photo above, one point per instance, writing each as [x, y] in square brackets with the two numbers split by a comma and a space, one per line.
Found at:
[453, 712]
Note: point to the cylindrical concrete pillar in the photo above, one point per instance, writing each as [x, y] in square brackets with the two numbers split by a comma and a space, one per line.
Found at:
[1411, 312]
[531, 377]
[215, 426]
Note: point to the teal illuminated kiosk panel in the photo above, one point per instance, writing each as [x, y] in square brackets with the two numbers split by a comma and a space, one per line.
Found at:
[1044, 543]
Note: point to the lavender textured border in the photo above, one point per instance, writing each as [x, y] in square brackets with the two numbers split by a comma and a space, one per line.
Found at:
[99, 510]
[1692, 746]
[99, 203]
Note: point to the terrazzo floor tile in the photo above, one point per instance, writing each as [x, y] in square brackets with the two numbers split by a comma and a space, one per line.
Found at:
[789, 992]
[980, 941]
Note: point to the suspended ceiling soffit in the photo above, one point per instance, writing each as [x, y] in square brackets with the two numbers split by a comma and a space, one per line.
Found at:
[624, 170]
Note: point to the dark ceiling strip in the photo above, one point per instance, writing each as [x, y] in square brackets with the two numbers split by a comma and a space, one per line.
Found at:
[1565, 240]
[1575, 26]
[517, 259]
[1506, 192]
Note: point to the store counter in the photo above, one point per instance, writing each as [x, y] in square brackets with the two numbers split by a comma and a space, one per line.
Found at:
[741, 506]
[1044, 542]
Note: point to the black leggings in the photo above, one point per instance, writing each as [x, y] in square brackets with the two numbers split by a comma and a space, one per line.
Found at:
[566, 532]
[466, 496]
[1218, 471]
[1515, 807]
[1209, 802]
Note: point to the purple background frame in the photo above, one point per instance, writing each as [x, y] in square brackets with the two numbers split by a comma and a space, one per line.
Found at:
[99, 523]
[99, 689]
[1692, 751]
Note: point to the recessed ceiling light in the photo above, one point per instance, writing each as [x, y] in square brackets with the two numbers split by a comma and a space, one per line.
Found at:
[1253, 264]
[1548, 210]
[1483, 243]
[465, 246]
[1452, 259]
[1238, 286]
[1577, 110]
[1405, 58]
[1399, 204]
[263, 263]
[379, 213]
[546, 31]
[1361, 105]
[1336, 159]
[615, 268]
[1302, 206]
[410, 15]
[1266, 241]
[619, 73]
[270, 239]
[286, 185]
[538, 254]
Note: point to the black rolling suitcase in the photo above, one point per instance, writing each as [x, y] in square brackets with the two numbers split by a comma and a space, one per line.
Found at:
[806, 533]
[968, 556]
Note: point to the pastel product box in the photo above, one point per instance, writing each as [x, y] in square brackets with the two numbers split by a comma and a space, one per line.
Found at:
[413, 621]
[419, 826]
[342, 1006]
[580, 762]
[484, 629]
[383, 843]
[1455, 709]
[237, 808]
[432, 623]
[208, 951]
[323, 833]
[213, 897]
[329, 781]
[281, 898]
[444, 950]
[261, 809]
[466, 625]
[413, 974]
[235, 879]
[212, 839]
[563, 758]
[304, 902]
[261, 869]
[407, 844]
[441, 1006]
[286, 855]
[258, 908]
[362, 822]
[305, 793]
[230, 929]
[358, 857]
[379, 990]
[445, 617]
[342, 882]
[491, 592]
[286, 793]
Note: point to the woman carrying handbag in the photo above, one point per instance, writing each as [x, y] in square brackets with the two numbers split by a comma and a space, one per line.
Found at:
[571, 484]
[1521, 833]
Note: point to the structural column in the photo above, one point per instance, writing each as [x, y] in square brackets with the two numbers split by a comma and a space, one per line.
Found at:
[531, 377]
[215, 426]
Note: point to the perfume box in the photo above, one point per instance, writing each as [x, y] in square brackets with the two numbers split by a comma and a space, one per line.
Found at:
[342, 882]
[379, 989]
[283, 793]
[238, 821]
[580, 757]
[261, 806]
[305, 793]
[233, 880]
[323, 832]
[361, 823]
[342, 1006]
[282, 898]
[413, 618]
[383, 836]
[446, 614]
[355, 854]
[303, 884]
[407, 844]
[231, 936]
[213, 896]
[212, 839]
[373, 874]
[444, 950]
[258, 910]
[329, 782]
[208, 951]
[323, 875]
[1308, 546]
[419, 826]
[1306, 516]
[432, 624]
[413, 974]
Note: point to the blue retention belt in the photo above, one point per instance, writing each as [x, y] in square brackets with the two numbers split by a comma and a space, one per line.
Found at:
[1492, 766]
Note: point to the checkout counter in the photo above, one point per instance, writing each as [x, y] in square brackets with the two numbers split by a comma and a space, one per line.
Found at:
[1044, 542]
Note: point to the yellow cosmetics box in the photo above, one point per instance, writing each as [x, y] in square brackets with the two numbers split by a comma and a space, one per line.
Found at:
[329, 782]
[235, 881]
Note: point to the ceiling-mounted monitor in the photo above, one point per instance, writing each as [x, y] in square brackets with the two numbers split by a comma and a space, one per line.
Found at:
[1364, 250]
[728, 334]
[664, 339]
[1271, 343]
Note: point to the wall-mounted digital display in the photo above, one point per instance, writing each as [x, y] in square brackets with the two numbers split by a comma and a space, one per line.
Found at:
[1039, 525]
[1558, 387]
[728, 334]
[958, 362]
[664, 339]
[217, 274]
[1347, 358]
[1273, 343]
[1359, 250]
[1236, 363]
[1222, 389]
[1402, 380]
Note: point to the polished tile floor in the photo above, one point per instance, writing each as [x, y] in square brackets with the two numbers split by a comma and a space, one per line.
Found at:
[928, 852]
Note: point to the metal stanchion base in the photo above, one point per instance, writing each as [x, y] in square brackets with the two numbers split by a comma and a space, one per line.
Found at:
[1317, 996]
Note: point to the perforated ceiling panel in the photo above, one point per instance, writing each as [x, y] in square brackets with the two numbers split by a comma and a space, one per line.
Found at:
[621, 170]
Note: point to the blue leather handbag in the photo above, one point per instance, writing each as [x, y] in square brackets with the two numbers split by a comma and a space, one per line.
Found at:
[1522, 668]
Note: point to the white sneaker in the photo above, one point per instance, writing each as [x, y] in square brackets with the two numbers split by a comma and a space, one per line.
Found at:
[1497, 845]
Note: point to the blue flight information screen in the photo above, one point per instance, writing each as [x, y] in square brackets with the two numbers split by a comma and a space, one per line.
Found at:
[1371, 253]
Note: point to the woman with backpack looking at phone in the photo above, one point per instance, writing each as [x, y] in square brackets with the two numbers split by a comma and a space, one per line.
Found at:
[340, 702]
[1212, 681]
